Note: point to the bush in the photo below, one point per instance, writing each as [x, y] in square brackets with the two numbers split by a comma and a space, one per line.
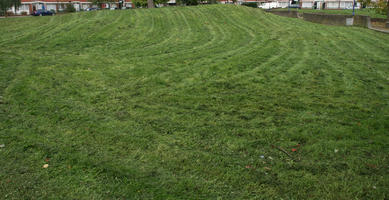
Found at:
[192, 2]
[70, 8]
[188, 2]
[365, 3]
[250, 4]
[24, 13]
[140, 3]
[381, 7]
[9, 13]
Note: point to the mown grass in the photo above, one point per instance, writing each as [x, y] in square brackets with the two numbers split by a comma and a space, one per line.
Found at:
[192, 103]
[365, 11]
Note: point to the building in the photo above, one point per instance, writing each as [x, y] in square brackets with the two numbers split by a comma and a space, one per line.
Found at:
[329, 4]
[29, 6]
[305, 4]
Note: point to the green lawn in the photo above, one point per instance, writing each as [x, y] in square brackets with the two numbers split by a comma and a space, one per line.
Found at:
[192, 103]
[367, 11]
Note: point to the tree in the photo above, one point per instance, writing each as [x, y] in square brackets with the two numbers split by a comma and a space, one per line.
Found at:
[381, 7]
[387, 14]
[7, 4]
[150, 4]
[99, 3]
[188, 2]
[144, 3]
[4, 6]
[70, 8]
[386, 7]
[16, 4]
[365, 3]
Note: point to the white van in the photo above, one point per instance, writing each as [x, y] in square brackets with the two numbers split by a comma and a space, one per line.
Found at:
[268, 5]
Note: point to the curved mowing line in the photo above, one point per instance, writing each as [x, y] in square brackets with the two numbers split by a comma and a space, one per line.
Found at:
[150, 46]
[255, 42]
[187, 32]
[63, 29]
[350, 71]
[38, 30]
[356, 48]
[265, 53]
[196, 13]
[218, 37]
[218, 54]
[150, 40]
[171, 22]
[303, 55]
[367, 36]
[215, 49]
[188, 50]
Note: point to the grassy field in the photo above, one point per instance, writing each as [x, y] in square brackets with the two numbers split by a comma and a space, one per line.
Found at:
[207, 102]
[368, 12]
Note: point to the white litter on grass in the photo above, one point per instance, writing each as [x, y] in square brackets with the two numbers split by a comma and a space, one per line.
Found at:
[2, 145]
[336, 150]
[262, 156]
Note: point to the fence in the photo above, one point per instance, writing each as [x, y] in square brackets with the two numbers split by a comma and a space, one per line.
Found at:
[331, 19]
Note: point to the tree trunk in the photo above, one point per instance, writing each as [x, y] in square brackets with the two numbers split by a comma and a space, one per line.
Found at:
[387, 20]
[387, 7]
[150, 4]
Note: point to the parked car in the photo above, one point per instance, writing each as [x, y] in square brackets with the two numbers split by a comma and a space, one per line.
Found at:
[91, 9]
[268, 5]
[42, 13]
[294, 6]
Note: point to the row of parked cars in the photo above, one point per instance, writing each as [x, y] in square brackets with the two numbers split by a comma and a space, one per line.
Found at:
[116, 8]
[51, 13]
[271, 5]
[91, 9]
